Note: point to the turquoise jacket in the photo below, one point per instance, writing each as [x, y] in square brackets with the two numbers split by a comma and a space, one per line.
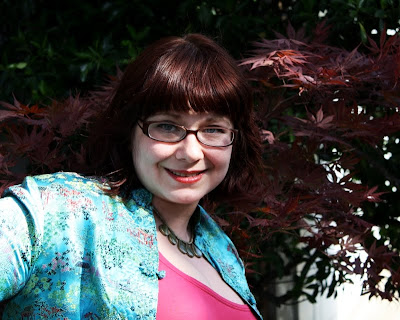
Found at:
[70, 251]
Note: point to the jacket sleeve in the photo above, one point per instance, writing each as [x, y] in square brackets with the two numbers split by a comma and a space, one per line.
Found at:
[21, 229]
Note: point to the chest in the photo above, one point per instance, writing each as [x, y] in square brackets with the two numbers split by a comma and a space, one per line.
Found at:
[197, 268]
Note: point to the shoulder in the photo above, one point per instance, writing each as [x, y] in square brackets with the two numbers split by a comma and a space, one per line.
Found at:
[59, 190]
[69, 180]
[63, 183]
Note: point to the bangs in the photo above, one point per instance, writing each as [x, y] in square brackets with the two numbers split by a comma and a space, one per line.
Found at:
[188, 79]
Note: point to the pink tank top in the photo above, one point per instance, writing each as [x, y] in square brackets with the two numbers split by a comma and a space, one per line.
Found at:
[182, 297]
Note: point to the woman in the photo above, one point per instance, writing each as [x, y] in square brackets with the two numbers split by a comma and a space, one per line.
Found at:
[133, 242]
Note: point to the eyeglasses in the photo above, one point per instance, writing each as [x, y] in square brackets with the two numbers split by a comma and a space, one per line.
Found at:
[212, 136]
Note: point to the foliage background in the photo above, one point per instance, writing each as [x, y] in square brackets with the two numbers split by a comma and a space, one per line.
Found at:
[52, 49]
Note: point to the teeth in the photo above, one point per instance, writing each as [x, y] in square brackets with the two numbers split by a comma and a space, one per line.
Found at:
[180, 174]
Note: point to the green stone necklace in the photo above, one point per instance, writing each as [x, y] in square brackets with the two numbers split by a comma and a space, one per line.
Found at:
[188, 248]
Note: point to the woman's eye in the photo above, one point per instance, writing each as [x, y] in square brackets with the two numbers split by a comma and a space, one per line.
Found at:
[167, 127]
[214, 130]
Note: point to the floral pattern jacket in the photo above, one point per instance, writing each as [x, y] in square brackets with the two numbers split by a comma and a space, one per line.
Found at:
[70, 251]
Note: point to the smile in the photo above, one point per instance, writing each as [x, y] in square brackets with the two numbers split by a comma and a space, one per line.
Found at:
[186, 176]
[185, 173]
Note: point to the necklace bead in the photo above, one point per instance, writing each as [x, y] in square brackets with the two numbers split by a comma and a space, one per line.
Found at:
[173, 239]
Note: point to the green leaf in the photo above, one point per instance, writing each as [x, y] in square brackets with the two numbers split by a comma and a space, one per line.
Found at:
[19, 65]
[363, 33]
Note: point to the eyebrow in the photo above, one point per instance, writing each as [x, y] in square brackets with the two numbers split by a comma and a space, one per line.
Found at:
[178, 115]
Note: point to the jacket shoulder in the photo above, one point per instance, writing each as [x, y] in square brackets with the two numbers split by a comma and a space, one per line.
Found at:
[70, 180]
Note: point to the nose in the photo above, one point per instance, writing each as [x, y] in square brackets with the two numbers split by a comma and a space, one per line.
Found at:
[190, 149]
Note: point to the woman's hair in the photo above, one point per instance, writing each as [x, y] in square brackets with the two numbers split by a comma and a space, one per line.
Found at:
[178, 74]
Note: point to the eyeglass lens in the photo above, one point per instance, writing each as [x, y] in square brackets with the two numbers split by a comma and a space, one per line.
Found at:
[212, 136]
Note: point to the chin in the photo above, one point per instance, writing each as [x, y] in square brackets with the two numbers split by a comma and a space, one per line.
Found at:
[186, 200]
[186, 197]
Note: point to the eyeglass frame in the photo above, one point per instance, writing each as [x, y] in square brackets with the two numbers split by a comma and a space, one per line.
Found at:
[146, 124]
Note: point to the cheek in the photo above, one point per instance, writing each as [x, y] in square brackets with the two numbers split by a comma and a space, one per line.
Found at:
[222, 161]
[147, 153]
[139, 154]
[228, 162]
[143, 162]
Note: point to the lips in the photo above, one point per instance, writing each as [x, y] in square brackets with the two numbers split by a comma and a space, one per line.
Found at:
[186, 173]
[184, 176]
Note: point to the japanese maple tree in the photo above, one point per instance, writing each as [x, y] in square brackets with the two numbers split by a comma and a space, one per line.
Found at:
[327, 115]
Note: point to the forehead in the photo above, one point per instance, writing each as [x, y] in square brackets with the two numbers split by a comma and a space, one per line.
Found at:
[191, 117]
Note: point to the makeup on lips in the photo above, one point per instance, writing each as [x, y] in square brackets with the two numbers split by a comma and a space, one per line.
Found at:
[184, 176]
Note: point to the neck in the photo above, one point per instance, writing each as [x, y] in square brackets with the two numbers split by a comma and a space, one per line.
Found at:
[176, 216]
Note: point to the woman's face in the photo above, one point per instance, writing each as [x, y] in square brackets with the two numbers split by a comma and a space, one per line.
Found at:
[185, 171]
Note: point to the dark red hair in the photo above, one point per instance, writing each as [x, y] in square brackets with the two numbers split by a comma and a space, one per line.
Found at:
[179, 74]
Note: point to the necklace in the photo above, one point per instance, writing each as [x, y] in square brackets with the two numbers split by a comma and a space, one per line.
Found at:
[188, 248]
